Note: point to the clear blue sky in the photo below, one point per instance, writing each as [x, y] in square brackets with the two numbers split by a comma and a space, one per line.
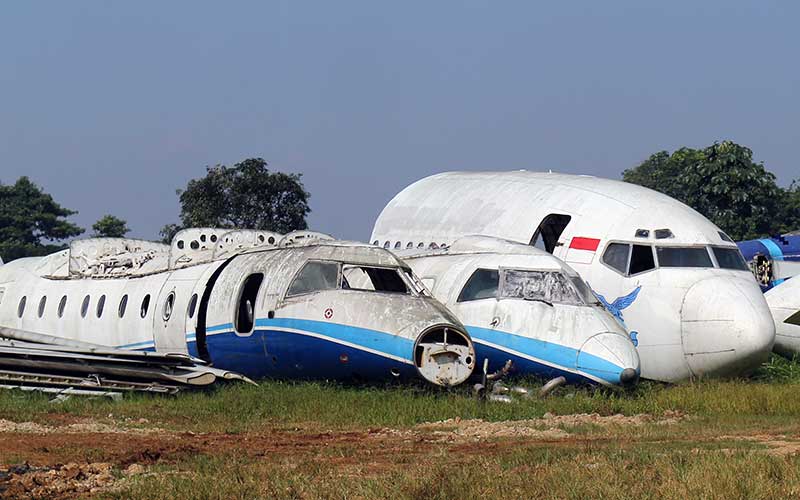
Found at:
[111, 105]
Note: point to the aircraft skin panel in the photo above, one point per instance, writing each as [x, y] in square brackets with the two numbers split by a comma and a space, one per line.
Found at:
[282, 354]
[328, 332]
[542, 358]
[440, 209]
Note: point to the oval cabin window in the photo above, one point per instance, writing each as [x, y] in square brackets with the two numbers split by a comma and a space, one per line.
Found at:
[85, 306]
[169, 304]
[101, 303]
[21, 307]
[62, 304]
[42, 305]
[123, 304]
[192, 306]
[145, 306]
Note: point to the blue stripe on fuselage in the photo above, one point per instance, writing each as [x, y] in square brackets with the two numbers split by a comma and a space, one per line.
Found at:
[310, 349]
[774, 250]
[536, 354]
[269, 352]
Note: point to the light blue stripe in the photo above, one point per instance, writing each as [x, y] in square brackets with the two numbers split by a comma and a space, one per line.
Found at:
[774, 250]
[557, 354]
[137, 345]
[224, 326]
[387, 343]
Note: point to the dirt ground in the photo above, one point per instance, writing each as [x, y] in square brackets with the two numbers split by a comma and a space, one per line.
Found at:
[72, 458]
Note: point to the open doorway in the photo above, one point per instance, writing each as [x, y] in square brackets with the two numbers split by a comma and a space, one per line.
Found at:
[547, 234]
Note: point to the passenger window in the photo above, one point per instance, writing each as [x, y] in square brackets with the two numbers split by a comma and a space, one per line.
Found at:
[21, 307]
[62, 304]
[549, 231]
[642, 259]
[85, 306]
[481, 285]
[123, 304]
[2, 293]
[372, 279]
[101, 303]
[42, 304]
[169, 305]
[245, 313]
[192, 305]
[616, 256]
[314, 277]
[145, 306]
[683, 257]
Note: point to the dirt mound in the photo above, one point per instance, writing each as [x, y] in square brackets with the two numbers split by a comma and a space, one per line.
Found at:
[548, 427]
[60, 482]
[83, 427]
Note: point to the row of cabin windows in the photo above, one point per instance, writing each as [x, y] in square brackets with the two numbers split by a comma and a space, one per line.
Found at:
[399, 245]
[169, 304]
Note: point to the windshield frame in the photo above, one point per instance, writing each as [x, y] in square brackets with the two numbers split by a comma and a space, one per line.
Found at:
[560, 271]
[412, 289]
[709, 248]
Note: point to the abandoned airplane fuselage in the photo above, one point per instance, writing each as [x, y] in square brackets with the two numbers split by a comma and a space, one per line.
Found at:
[244, 301]
[677, 282]
[523, 304]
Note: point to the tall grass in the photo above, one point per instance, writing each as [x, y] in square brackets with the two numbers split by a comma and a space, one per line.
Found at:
[239, 408]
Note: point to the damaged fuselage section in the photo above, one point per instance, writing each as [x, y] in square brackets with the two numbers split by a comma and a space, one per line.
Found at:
[251, 303]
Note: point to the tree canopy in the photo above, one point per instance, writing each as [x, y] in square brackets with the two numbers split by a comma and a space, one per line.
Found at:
[245, 196]
[723, 183]
[29, 219]
[110, 227]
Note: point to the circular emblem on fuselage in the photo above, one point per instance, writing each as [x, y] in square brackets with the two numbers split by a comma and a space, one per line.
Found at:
[328, 313]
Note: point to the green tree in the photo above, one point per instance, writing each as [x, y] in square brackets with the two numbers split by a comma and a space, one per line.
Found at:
[110, 227]
[245, 196]
[723, 183]
[29, 218]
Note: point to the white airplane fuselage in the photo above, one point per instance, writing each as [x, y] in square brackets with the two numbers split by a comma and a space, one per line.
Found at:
[677, 282]
[784, 302]
[520, 303]
[263, 312]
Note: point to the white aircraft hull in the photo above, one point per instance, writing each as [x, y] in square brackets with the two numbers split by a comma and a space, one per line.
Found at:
[687, 321]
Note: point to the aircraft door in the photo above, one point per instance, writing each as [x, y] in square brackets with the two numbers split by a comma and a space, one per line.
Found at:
[548, 234]
[170, 315]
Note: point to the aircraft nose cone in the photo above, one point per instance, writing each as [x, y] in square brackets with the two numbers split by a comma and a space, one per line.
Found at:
[726, 326]
[611, 357]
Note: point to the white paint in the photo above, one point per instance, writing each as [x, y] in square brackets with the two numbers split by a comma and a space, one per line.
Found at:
[511, 205]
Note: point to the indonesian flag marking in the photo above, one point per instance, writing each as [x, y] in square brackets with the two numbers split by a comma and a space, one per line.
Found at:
[581, 243]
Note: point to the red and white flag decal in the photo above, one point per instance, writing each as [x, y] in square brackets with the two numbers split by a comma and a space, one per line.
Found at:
[581, 243]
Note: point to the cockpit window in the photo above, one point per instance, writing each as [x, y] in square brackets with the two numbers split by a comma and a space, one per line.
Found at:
[730, 258]
[415, 282]
[481, 285]
[373, 279]
[583, 289]
[543, 286]
[683, 257]
[724, 237]
[616, 256]
[642, 259]
[314, 277]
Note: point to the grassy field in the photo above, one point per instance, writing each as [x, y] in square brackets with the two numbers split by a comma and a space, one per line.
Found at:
[714, 439]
